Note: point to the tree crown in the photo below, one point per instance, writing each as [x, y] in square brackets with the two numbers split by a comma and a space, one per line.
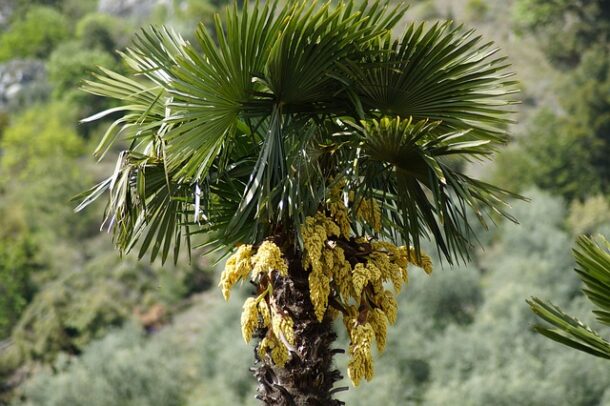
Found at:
[243, 133]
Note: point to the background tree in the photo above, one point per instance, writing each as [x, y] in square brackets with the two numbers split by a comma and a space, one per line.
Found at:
[566, 27]
[312, 139]
[572, 129]
[35, 36]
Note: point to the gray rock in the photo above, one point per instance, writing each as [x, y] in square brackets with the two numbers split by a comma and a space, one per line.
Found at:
[137, 9]
[18, 77]
[6, 9]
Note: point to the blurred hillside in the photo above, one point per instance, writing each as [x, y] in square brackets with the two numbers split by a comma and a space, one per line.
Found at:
[81, 326]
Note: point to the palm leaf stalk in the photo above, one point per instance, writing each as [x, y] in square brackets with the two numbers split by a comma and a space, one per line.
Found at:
[593, 268]
[321, 146]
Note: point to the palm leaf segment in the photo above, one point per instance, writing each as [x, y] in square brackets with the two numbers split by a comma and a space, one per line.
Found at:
[241, 134]
[593, 268]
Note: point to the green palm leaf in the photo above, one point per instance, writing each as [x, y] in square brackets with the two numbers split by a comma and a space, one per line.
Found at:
[426, 192]
[441, 73]
[249, 127]
[593, 268]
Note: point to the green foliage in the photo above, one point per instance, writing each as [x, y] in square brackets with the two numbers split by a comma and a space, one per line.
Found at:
[16, 266]
[39, 174]
[40, 30]
[554, 156]
[496, 359]
[427, 10]
[590, 215]
[529, 243]
[191, 12]
[84, 304]
[489, 355]
[453, 298]
[24, 5]
[593, 268]
[532, 13]
[70, 64]
[459, 338]
[102, 31]
[222, 350]
[565, 28]
[122, 369]
[44, 132]
[73, 9]
[76, 9]
[278, 116]
[462, 337]
[567, 153]
[477, 10]
[587, 102]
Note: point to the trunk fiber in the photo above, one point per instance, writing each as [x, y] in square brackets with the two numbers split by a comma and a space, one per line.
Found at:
[309, 376]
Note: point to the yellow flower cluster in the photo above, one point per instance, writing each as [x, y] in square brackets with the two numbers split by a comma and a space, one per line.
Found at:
[319, 291]
[257, 311]
[319, 258]
[283, 326]
[378, 321]
[238, 267]
[369, 211]
[275, 349]
[360, 277]
[423, 262]
[388, 304]
[361, 361]
[264, 312]
[249, 318]
[279, 336]
[338, 211]
[354, 273]
[268, 257]
[351, 272]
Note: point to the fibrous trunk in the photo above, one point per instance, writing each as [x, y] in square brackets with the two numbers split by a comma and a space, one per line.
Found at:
[308, 377]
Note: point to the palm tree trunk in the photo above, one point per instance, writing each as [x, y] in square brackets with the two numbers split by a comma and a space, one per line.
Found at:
[309, 375]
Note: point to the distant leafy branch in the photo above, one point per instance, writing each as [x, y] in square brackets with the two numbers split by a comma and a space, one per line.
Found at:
[593, 268]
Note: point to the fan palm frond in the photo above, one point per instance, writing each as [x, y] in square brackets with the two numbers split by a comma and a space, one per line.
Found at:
[593, 268]
[442, 73]
[426, 193]
[144, 205]
[250, 126]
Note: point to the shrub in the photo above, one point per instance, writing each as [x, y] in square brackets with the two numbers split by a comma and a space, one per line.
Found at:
[586, 217]
[477, 9]
[223, 351]
[70, 64]
[83, 304]
[428, 10]
[72, 8]
[452, 298]
[122, 369]
[564, 28]
[39, 174]
[75, 9]
[40, 134]
[16, 289]
[102, 31]
[40, 30]
[555, 155]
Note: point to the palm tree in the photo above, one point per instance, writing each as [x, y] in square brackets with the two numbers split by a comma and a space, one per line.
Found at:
[316, 142]
[593, 268]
